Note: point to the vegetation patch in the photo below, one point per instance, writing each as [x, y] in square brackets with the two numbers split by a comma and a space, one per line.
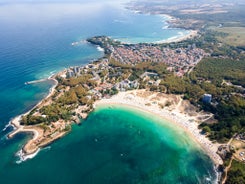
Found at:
[217, 69]
[234, 36]
[236, 173]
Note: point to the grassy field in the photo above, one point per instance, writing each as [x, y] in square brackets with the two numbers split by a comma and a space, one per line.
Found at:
[234, 36]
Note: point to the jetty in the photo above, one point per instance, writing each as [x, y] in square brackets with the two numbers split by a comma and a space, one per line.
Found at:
[40, 80]
[36, 81]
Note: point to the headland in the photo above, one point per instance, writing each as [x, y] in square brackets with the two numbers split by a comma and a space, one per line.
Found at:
[112, 79]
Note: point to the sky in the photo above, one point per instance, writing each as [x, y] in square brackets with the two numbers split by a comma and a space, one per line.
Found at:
[59, 1]
[15, 10]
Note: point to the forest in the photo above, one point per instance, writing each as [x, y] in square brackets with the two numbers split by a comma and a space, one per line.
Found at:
[217, 70]
[63, 106]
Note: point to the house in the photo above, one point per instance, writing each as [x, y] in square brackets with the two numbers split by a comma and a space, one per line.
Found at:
[76, 70]
[148, 74]
[207, 98]
[70, 74]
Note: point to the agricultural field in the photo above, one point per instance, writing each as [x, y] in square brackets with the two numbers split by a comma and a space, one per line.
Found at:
[234, 36]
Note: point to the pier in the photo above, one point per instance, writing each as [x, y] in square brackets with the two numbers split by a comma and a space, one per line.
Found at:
[39, 80]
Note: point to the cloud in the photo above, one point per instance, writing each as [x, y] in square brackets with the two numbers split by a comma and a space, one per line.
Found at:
[46, 10]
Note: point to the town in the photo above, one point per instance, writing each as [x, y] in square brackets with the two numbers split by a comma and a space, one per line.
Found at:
[180, 60]
[155, 68]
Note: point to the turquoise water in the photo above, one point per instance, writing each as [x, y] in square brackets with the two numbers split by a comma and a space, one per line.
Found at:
[116, 145]
[35, 41]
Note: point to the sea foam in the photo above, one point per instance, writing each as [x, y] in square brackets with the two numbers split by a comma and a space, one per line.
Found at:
[23, 157]
[100, 49]
[6, 126]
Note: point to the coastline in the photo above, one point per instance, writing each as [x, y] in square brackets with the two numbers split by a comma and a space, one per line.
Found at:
[130, 99]
[178, 38]
[42, 139]
[191, 34]
[33, 145]
[15, 122]
[190, 126]
[36, 133]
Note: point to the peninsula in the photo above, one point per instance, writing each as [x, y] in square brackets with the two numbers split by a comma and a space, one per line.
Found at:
[127, 74]
[171, 80]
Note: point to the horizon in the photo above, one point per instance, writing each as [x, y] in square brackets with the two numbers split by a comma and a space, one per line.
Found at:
[60, 60]
[59, 1]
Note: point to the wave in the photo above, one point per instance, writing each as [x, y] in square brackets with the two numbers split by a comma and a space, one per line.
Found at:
[77, 43]
[119, 21]
[212, 178]
[181, 33]
[7, 126]
[165, 17]
[23, 157]
[52, 72]
[167, 40]
[100, 49]
[123, 40]
[165, 27]
[218, 176]
[47, 148]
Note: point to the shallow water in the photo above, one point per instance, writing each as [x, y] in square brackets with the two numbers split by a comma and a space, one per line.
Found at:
[117, 145]
[35, 41]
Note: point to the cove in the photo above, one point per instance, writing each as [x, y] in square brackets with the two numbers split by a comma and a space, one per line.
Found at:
[117, 145]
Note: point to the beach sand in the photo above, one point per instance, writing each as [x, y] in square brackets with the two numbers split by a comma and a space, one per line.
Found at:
[191, 34]
[152, 102]
[149, 101]
[145, 100]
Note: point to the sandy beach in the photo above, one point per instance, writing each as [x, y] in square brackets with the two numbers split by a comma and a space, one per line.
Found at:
[173, 114]
[152, 102]
[191, 34]
[179, 38]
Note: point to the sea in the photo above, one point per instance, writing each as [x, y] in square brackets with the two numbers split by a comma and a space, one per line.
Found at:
[115, 144]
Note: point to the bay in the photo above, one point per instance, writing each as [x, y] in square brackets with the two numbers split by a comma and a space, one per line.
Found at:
[117, 145]
[35, 42]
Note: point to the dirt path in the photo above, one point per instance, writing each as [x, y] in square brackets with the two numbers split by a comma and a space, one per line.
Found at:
[179, 104]
[226, 171]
